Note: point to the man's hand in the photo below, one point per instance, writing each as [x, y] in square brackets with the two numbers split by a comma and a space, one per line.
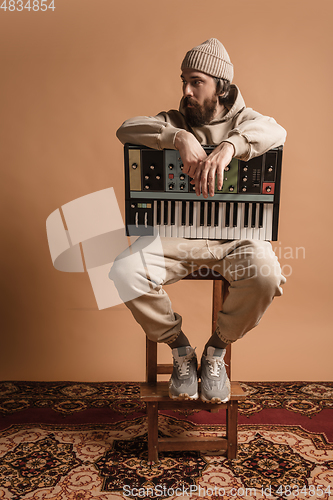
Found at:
[190, 150]
[212, 166]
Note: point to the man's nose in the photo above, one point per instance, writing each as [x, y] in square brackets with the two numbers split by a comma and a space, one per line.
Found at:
[187, 90]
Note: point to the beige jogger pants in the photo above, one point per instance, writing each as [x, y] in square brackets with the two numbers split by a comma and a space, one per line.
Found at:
[250, 266]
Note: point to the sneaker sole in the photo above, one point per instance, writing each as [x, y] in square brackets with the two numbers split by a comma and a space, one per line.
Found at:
[215, 400]
[183, 396]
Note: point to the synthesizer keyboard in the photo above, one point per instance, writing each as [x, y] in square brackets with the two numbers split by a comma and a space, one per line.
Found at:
[159, 198]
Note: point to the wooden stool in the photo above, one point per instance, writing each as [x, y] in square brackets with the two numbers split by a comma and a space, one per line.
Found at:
[156, 394]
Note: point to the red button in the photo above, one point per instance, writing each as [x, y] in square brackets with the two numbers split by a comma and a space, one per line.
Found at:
[171, 176]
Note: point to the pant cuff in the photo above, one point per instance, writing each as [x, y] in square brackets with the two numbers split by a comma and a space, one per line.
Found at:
[222, 337]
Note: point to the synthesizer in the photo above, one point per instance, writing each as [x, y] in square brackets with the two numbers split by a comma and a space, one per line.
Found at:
[159, 199]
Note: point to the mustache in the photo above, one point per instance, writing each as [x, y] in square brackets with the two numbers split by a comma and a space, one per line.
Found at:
[188, 100]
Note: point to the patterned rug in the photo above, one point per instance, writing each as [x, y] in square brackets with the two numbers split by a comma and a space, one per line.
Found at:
[83, 441]
[104, 462]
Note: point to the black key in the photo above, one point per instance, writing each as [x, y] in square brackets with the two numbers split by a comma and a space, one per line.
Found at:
[261, 214]
[183, 205]
[202, 213]
[209, 213]
[246, 215]
[173, 207]
[253, 218]
[158, 212]
[190, 221]
[165, 215]
[234, 218]
[216, 219]
[227, 214]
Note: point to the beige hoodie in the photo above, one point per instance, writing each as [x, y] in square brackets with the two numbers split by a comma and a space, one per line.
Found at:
[251, 133]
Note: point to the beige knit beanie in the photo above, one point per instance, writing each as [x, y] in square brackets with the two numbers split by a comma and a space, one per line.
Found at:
[211, 58]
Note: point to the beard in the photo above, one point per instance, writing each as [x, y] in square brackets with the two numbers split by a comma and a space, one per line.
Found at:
[198, 115]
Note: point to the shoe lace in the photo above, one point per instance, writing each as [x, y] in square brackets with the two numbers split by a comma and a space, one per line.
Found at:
[183, 363]
[215, 365]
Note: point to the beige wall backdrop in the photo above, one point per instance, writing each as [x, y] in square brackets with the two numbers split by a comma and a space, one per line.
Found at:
[69, 78]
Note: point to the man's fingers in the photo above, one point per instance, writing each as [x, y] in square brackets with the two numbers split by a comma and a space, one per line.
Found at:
[204, 179]
[219, 176]
[190, 168]
[208, 178]
[197, 179]
[211, 183]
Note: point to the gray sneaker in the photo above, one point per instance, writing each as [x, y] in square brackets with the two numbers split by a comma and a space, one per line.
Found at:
[215, 384]
[184, 381]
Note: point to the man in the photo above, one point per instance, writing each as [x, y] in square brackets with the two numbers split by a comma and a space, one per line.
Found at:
[212, 112]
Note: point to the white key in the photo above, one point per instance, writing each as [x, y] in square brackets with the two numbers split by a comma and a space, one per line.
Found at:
[181, 228]
[211, 232]
[162, 226]
[230, 230]
[269, 221]
[154, 217]
[194, 227]
[242, 227]
[237, 229]
[205, 227]
[199, 228]
[249, 230]
[168, 227]
[262, 230]
[256, 229]
[224, 232]
[187, 230]
[155, 214]
[174, 227]
[218, 229]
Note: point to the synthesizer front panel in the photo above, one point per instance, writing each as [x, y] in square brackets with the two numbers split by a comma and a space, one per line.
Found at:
[160, 199]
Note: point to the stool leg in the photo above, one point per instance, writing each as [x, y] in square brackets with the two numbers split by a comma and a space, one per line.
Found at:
[151, 361]
[232, 418]
[152, 413]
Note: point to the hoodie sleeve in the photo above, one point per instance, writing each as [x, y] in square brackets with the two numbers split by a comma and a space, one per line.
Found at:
[253, 134]
[156, 132]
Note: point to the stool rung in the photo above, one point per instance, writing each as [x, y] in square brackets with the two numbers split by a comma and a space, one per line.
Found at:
[164, 369]
[193, 443]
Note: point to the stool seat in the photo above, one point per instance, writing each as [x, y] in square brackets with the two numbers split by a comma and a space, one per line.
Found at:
[159, 392]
